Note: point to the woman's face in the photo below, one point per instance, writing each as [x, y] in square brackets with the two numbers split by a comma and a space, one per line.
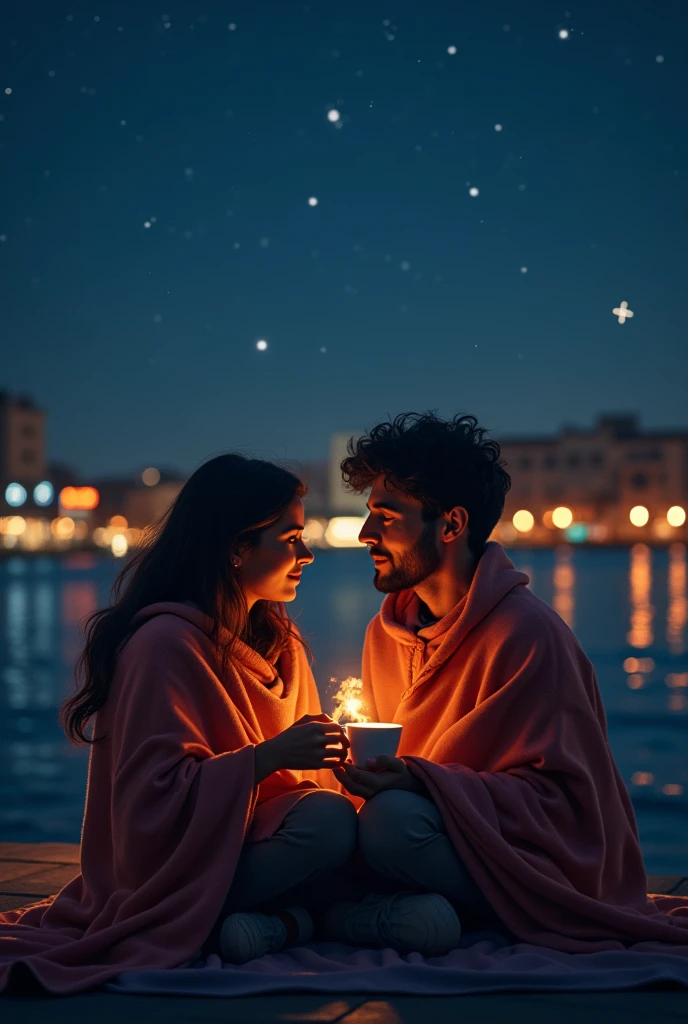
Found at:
[271, 571]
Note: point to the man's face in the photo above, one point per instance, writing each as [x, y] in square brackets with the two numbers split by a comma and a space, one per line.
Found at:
[404, 549]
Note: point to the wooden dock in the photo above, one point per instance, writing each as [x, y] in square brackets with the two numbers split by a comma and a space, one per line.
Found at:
[32, 871]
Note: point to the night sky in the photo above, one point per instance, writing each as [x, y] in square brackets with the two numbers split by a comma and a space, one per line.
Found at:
[399, 290]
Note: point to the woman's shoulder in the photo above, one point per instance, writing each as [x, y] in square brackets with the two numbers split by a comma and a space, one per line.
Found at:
[166, 631]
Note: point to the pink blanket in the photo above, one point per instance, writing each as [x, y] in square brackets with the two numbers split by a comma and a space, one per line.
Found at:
[503, 721]
[170, 799]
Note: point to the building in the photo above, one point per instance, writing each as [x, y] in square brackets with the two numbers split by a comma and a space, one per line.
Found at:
[342, 502]
[600, 476]
[22, 455]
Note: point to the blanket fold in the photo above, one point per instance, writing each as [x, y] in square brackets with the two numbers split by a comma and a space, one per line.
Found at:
[170, 800]
[504, 723]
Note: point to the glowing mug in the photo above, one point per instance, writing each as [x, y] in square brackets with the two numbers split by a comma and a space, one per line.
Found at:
[371, 739]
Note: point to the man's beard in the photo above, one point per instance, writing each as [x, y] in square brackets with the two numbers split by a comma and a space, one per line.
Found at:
[413, 566]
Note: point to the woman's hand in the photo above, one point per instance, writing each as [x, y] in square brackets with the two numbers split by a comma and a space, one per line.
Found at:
[315, 741]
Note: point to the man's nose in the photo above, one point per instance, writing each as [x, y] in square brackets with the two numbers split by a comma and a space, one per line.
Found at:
[367, 534]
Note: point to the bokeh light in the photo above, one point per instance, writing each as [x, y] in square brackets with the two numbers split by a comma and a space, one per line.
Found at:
[15, 495]
[43, 493]
[151, 476]
[562, 517]
[639, 515]
[523, 520]
[676, 516]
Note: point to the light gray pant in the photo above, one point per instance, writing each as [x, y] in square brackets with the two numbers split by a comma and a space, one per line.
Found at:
[401, 837]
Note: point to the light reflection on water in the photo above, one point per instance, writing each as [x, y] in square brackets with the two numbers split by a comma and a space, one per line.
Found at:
[629, 608]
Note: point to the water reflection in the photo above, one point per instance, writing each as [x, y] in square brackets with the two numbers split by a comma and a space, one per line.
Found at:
[564, 579]
[640, 585]
[43, 603]
[79, 600]
[677, 609]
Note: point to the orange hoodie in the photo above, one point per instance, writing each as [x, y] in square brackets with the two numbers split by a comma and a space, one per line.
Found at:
[170, 799]
[503, 721]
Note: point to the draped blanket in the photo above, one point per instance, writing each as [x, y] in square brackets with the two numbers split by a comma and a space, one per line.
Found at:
[503, 721]
[170, 799]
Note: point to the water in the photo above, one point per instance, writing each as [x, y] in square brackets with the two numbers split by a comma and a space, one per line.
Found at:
[623, 604]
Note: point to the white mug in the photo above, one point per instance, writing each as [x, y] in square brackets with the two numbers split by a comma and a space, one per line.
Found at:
[371, 739]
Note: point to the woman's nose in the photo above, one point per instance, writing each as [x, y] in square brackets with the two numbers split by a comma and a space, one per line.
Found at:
[306, 555]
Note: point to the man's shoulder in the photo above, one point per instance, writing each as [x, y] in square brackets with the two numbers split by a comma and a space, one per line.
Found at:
[523, 618]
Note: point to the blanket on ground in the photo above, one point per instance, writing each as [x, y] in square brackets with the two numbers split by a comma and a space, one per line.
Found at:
[170, 799]
[503, 721]
[484, 962]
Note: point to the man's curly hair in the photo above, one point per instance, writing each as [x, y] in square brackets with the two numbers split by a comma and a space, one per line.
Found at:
[441, 463]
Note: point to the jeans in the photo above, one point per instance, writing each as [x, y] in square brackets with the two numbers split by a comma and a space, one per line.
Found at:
[323, 851]
[402, 837]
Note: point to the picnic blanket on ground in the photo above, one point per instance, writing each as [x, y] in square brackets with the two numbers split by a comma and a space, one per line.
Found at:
[485, 962]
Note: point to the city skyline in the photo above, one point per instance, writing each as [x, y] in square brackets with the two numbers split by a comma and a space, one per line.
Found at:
[411, 209]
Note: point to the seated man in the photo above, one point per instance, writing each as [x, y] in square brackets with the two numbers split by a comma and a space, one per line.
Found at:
[505, 803]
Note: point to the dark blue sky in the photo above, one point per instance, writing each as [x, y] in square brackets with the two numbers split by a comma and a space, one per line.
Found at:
[141, 341]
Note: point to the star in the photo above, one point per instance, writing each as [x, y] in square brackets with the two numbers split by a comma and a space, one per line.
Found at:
[623, 312]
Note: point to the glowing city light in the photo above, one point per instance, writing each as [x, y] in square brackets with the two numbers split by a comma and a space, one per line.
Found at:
[312, 201]
[79, 499]
[15, 526]
[676, 516]
[119, 545]
[15, 495]
[523, 520]
[261, 345]
[151, 476]
[623, 312]
[333, 116]
[63, 527]
[474, 192]
[343, 531]
[43, 493]
[118, 523]
[313, 532]
[562, 517]
[639, 515]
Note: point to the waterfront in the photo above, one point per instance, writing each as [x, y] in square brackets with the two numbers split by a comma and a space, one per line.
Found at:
[627, 606]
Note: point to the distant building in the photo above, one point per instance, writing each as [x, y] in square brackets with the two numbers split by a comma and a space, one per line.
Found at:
[342, 502]
[600, 475]
[138, 503]
[316, 477]
[22, 451]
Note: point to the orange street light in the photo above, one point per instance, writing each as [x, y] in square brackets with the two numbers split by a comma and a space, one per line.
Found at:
[79, 499]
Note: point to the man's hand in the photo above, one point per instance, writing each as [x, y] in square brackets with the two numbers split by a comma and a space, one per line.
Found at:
[382, 773]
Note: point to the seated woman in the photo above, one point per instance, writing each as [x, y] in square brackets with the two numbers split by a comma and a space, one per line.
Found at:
[208, 783]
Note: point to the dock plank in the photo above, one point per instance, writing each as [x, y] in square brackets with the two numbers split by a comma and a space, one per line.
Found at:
[31, 871]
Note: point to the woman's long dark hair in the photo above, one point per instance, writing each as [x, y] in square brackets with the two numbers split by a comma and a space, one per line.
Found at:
[222, 509]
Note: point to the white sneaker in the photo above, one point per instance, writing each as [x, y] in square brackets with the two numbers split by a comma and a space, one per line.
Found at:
[408, 922]
[246, 936]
